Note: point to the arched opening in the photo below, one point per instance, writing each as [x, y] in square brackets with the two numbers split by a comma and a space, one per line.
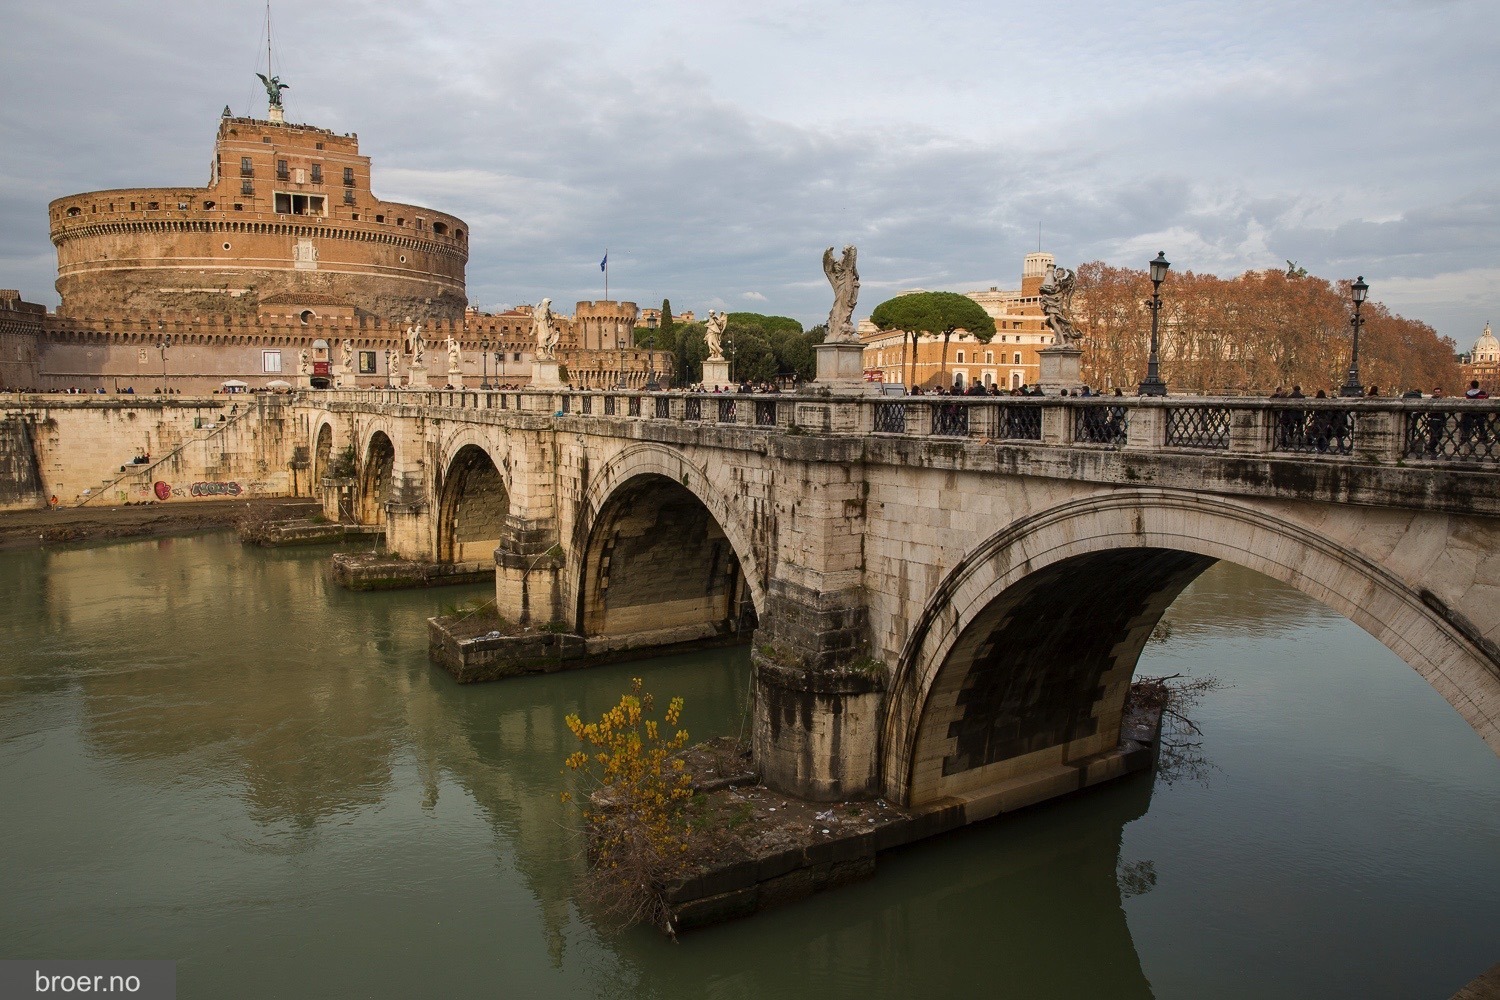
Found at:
[1016, 671]
[1038, 679]
[474, 504]
[322, 452]
[657, 562]
[375, 479]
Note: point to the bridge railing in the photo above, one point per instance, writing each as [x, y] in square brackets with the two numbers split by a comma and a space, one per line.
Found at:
[1441, 431]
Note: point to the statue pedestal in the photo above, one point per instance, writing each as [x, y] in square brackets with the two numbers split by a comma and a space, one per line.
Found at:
[841, 369]
[455, 378]
[1060, 370]
[342, 379]
[546, 375]
[416, 377]
[715, 374]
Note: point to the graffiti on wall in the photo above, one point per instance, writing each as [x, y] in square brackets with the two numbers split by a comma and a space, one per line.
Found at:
[166, 491]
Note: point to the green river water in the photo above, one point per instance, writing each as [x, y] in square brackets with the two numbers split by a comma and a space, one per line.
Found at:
[212, 754]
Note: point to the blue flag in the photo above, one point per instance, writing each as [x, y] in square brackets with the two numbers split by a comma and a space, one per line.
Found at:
[605, 261]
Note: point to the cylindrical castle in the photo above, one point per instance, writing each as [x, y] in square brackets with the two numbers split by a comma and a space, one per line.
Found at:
[287, 219]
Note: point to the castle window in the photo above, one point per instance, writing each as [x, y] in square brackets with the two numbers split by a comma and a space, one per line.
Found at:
[247, 167]
[182, 206]
[281, 171]
[989, 357]
[379, 218]
[317, 173]
[1018, 358]
[209, 204]
[317, 145]
[300, 204]
[270, 362]
[960, 357]
[458, 234]
[226, 246]
[355, 216]
[440, 229]
[152, 206]
[349, 176]
[73, 213]
[306, 316]
[349, 198]
[246, 187]
[400, 221]
[403, 258]
[238, 207]
[266, 139]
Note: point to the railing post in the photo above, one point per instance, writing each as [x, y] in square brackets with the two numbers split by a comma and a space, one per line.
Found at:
[1250, 430]
[1380, 436]
[1148, 428]
[1057, 423]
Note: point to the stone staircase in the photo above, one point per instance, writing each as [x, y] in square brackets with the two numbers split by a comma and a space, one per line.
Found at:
[132, 476]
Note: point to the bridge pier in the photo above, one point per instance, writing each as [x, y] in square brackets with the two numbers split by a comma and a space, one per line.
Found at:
[530, 573]
[818, 692]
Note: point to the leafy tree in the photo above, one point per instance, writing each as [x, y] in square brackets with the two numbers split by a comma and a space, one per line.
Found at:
[638, 833]
[668, 336]
[690, 350]
[933, 313]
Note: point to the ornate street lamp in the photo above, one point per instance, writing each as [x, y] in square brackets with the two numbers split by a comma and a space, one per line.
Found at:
[1153, 385]
[729, 351]
[484, 362]
[622, 384]
[500, 362]
[651, 384]
[1351, 386]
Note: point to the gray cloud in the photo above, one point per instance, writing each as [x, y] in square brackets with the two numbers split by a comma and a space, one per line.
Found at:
[713, 152]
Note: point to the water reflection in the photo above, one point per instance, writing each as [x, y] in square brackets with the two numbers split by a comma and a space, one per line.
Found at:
[212, 754]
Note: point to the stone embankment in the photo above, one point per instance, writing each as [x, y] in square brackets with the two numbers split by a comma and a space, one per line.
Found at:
[31, 528]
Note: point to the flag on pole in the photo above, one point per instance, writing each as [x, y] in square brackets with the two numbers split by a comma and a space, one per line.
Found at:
[603, 264]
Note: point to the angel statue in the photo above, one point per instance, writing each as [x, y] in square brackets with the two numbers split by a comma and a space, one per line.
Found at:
[714, 334]
[274, 87]
[844, 277]
[547, 333]
[415, 345]
[1057, 306]
[453, 356]
[346, 355]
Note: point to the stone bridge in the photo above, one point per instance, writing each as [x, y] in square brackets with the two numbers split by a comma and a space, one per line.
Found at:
[948, 595]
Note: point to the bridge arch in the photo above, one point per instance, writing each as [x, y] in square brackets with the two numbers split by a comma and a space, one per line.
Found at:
[376, 473]
[997, 681]
[323, 446]
[473, 501]
[658, 548]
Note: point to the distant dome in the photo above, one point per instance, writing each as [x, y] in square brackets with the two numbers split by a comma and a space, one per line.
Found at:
[1486, 348]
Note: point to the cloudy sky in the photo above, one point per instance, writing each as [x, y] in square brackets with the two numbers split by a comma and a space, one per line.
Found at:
[716, 148]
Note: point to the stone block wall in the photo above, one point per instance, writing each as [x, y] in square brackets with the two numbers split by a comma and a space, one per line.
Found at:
[88, 444]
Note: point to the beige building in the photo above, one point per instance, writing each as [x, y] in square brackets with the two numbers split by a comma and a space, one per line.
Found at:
[1009, 359]
[1484, 363]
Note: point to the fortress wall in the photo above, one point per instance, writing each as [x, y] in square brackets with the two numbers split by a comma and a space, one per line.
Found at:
[20, 341]
[200, 448]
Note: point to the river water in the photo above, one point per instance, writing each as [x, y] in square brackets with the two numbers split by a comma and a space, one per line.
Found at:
[212, 754]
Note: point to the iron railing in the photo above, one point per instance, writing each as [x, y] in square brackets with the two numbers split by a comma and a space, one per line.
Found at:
[1320, 430]
[1106, 425]
[1467, 436]
[1198, 427]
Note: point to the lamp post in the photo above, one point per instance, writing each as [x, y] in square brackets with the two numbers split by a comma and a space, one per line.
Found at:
[651, 384]
[622, 384]
[166, 342]
[484, 362]
[1351, 386]
[729, 352]
[1153, 385]
[500, 363]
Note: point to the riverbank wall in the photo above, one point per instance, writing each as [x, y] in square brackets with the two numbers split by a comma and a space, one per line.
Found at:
[90, 450]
